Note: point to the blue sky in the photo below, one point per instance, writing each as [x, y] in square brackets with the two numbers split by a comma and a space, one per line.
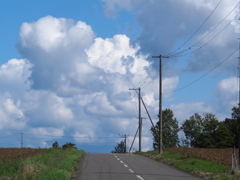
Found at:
[66, 67]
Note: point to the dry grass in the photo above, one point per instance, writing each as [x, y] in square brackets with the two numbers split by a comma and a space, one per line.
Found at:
[219, 156]
[28, 170]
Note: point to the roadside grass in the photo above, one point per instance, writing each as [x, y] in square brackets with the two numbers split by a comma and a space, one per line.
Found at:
[198, 167]
[55, 164]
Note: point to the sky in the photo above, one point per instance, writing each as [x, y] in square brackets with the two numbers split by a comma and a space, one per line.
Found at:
[67, 67]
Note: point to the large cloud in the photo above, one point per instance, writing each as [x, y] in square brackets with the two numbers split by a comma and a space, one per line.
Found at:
[73, 84]
[56, 47]
[14, 74]
[165, 26]
[12, 116]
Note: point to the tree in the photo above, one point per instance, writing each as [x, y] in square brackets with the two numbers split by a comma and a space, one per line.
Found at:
[170, 130]
[55, 145]
[207, 138]
[192, 128]
[207, 132]
[120, 148]
[224, 137]
[69, 145]
[233, 125]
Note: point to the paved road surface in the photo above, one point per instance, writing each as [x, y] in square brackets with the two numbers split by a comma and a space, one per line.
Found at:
[126, 167]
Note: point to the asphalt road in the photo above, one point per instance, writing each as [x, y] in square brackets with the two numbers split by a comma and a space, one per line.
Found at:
[126, 167]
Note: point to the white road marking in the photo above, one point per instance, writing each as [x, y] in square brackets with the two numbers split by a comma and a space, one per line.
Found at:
[121, 161]
[118, 159]
[139, 177]
[125, 165]
[131, 170]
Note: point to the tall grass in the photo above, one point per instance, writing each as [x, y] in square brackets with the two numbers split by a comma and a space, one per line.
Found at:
[55, 164]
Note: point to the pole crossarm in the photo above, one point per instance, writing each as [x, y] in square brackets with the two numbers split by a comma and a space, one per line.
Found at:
[160, 56]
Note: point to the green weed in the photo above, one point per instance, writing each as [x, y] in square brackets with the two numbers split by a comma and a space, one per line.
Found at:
[55, 164]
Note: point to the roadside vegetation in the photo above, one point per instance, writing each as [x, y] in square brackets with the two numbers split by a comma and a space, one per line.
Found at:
[199, 167]
[54, 164]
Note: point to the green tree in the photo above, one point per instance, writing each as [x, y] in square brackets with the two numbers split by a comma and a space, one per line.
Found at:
[192, 128]
[69, 145]
[207, 138]
[224, 137]
[207, 132]
[170, 130]
[120, 148]
[55, 145]
[233, 125]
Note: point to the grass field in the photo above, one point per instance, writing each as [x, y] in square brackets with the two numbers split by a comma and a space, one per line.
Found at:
[202, 167]
[38, 164]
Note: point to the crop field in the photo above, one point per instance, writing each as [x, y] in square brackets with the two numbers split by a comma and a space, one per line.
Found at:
[19, 153]
[220, 156]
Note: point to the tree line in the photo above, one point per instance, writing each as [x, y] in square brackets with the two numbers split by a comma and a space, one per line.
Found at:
[201, 131]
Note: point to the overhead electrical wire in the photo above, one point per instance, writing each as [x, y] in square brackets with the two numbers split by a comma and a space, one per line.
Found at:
[66, 137]
[180, 54]
[156, 73]
[205, 44]
[205, 73]
[216, 26]
[148, 74]
[9, 135]
[197, 29]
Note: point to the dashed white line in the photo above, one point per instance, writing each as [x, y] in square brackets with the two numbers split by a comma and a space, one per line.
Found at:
[131, 170]
[139, 177]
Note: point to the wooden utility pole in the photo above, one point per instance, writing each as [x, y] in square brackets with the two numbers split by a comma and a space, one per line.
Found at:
[160, 101]
[238, 94]
[140, 118]
[238, 111]
[125, 143]
[21, 140]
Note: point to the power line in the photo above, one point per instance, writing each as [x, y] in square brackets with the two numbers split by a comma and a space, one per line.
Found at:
[206, 42]
[9, 135]
[145, 78]
[180, 54]
[170, 54]
[204, 74]
[215, 26]
[76, 137]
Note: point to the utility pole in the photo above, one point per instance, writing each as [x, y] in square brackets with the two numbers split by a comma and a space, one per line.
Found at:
[140, 119]
[21, 140]
[239, 94]
[160, 101]
[239, 106]
[125, 142]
